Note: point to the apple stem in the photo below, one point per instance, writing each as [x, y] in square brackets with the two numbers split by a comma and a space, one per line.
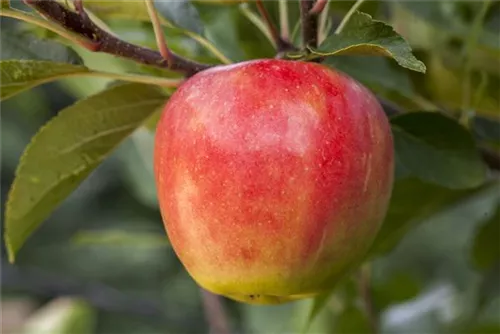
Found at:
[102, 41]
[282, 44]
[309, 22]
[214, 313]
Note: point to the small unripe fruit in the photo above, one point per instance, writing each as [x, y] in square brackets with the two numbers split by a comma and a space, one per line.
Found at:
[273, 177]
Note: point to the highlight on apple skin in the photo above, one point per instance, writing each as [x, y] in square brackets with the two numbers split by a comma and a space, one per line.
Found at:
[273, 177]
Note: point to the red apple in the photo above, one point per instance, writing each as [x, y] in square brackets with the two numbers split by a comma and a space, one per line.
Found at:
[273, 177]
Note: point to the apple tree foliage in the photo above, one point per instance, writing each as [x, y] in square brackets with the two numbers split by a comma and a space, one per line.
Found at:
[433, 65]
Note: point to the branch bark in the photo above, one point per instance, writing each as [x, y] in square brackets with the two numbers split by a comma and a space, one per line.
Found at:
[309, 23]
[102, 41]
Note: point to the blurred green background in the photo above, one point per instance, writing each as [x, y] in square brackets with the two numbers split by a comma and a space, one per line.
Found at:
[102, 263]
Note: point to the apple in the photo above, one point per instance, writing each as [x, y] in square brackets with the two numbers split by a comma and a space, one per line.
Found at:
[273, 177]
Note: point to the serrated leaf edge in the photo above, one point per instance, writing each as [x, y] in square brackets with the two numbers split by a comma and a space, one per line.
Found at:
[11, 250]
[419, 65]
[79, 70]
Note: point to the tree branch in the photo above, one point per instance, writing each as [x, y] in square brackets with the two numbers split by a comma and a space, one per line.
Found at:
[309, 23]
[102, 41]
[214, 313]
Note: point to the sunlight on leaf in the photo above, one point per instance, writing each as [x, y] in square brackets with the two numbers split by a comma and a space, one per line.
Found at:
[5, 4]
[20, 75]
[364, 36]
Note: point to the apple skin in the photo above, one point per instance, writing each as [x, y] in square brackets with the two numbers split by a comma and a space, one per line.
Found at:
[273, 177]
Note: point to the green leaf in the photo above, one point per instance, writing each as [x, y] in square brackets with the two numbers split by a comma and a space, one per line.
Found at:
[180, 13]
[487, 129]
[489, 288]
[399, 287]
[344, 291]
[67, 149]
[492, 328]
[319, 302]
[152, 122]
[221, 29]
[20, 75]
[374, 72]
[364, 36]
[233, 34]
[23, 45]
[485, 249]
[412, 202]
[352, 320]
[437, 149]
